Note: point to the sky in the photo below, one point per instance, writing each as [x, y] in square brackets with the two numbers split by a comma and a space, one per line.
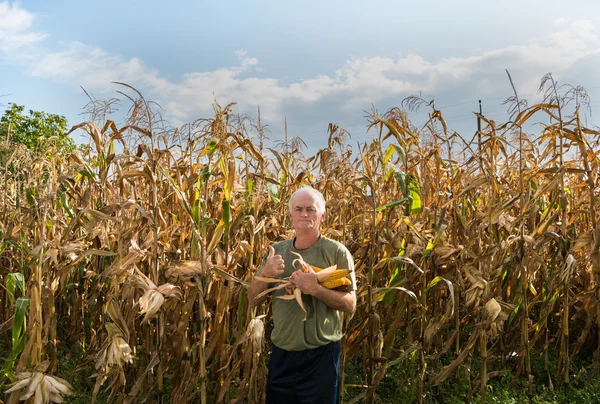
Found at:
[308, 62]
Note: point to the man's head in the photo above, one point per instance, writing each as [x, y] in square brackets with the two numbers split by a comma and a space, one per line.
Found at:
[318, 197]
[307, 209]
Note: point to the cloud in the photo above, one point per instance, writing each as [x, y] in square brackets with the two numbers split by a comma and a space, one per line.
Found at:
[15, 23]
[91, 67]
[354, 86]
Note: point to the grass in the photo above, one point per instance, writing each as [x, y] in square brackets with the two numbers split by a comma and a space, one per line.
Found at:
[79, 377]
[399, 387]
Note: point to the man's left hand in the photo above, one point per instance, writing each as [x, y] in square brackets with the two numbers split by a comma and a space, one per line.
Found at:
[305, 281]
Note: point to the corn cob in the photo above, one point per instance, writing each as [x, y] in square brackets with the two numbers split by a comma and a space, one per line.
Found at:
[337, 274]
[325, 275]
[318, 270]
[334, 283]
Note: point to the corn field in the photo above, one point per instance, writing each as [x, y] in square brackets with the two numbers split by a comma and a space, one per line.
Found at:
[473, 253]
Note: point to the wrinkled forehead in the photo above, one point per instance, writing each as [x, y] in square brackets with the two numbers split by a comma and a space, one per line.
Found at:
[304, 200]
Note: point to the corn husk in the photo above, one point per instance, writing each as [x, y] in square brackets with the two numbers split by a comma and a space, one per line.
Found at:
[41, 387]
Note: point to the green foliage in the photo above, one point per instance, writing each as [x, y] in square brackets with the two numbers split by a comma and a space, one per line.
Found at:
[36, 130]
[14, 280]
[18, 337]
[80, 377]
[398, 386]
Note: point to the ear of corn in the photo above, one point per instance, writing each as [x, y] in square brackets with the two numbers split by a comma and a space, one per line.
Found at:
[329, 277]
[325, 274]
[337, 274]
[324, 270]
[332, 284]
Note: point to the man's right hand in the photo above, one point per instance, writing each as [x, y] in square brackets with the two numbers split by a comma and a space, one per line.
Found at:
[274, 265]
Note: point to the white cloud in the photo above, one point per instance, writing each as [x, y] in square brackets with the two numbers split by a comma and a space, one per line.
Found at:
[14, 18]
[90, 67]
[15, 23]
[356, 84]
[577, 38]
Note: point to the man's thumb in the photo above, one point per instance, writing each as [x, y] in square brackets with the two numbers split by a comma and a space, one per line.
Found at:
[271, 251]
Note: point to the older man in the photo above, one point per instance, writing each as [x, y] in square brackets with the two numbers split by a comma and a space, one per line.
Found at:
[305, 361]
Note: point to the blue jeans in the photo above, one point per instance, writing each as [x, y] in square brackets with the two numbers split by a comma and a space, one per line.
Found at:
[311, 376]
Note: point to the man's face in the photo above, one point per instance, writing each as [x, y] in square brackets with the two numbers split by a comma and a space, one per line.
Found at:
[305, 213]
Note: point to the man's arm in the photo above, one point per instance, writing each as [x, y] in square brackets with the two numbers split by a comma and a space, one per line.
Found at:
[343, 301]
[254, 289]
[273, 268]
[307, 282]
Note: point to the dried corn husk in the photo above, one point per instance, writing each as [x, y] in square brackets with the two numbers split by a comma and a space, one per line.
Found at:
[43, 388]
[495, 318]
[187, 272]
[256, 328]
[478, 287]
[154, 296]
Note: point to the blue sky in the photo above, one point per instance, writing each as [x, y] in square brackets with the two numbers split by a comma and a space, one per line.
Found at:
[312, 62]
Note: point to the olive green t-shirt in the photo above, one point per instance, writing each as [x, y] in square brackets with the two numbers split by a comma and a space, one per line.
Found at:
[323, 324]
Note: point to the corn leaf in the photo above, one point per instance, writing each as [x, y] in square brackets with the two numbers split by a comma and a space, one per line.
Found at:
[18, 336]
[437, 280]
[14, 280]
[414, 193]
[218, 233]
[401, 177]
[431, 244]
[391, 204]
[409, 292]
[408, 261]
[210, 148]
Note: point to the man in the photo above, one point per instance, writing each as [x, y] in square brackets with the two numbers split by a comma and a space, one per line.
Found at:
[305, 361]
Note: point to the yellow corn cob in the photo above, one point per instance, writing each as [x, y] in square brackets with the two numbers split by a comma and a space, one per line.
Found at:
[331, 284]
[331, 274]
[317, 269]
[337, 274]
[330, 277]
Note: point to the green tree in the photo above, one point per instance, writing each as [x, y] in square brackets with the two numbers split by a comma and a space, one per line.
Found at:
[37, 130]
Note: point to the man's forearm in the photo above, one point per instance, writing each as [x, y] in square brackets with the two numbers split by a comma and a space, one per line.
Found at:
[254, 289]
[343, 301]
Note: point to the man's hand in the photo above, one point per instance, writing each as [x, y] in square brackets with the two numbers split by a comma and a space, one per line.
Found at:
[273, 268]
[274, 265]
[308, 282]
[290, 289]
[305, 281]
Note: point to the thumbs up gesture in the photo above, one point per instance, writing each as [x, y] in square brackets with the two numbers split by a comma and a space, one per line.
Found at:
[274, 265]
